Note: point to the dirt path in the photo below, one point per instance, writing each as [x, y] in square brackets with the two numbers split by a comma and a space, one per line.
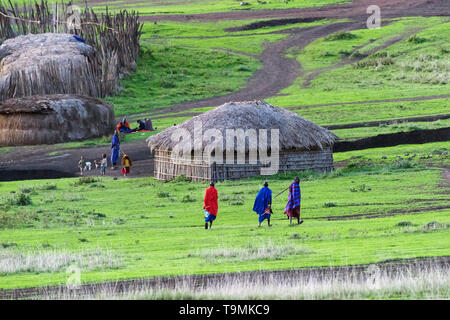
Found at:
[362, 271]
[358, 8]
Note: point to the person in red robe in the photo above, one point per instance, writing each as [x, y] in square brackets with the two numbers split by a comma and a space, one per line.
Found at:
[210, 205]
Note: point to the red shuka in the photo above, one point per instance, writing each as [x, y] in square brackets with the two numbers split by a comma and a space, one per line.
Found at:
[210, 202]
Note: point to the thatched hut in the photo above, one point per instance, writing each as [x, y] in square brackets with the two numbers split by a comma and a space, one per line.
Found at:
[293, 142]
[53, 119]
[47, 63]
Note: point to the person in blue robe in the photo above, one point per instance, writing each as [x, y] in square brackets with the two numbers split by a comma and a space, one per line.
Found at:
[115, 149]
[263, 203]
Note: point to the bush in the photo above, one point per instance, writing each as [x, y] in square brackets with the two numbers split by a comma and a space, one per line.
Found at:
[180, 178]
[20, 199]
[404, 224]
[416, 39]
[162, 194]
[85, 180]
[374, 63]
[341, 36]
[27, 189]
[329, 205]
[48, 186]
[403, 164]
[434, 225]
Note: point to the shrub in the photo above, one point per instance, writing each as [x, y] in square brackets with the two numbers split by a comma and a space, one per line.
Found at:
[329, 204]
[48, 186]
[20, 199]
[162, 194]
[341, 36]
[27, 189]
[403, 164]
[416, 39]
[180, 178]
[404, 224]
[84, 180]
[374, 63]
[434, 225]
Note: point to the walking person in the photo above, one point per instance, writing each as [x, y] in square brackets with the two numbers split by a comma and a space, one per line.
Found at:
[126, 165]
[210, 204]
[115, 150]
[103, 165]
[293, 206]
[263, 203]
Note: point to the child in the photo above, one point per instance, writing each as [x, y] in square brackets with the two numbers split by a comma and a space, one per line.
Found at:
[81, 165]
[126, 165]
[103, 165]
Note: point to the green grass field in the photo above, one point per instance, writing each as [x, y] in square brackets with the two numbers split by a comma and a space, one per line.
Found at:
[163, 234]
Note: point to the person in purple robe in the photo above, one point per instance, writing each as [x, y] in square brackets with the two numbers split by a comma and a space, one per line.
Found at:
[293, 205]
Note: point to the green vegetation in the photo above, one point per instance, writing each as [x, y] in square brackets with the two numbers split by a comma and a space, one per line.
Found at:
[165, 230]
[408, 70]
[168, 75]
[436, 153]
[362, 132]
[157, 7]
[361, 112]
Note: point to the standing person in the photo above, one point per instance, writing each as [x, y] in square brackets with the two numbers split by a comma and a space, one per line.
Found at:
[293, 206]
[210, 205]
[126, 165]
[149, 125]
[103, 165]
[263, 203]
[142, 125]
[82, 165]
[115, 150]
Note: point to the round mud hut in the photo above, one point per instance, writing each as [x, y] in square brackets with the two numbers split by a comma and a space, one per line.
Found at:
[48, 63]
[239, 140]
[53, 119]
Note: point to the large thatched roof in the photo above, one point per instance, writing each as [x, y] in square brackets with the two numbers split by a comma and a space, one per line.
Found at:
[53, 119]
[48, 63]
[295, 132]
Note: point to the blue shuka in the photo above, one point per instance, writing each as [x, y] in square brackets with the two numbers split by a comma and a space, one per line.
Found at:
[262, 201]
[115, 149]
[209, 217]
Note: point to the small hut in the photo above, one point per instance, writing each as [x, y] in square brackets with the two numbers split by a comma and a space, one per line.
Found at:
[294, 142]
[53, 119]
[48, 63]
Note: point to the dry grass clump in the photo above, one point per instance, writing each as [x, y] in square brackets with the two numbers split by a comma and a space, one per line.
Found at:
[410, 281]
[268, 250]
[15, 261]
